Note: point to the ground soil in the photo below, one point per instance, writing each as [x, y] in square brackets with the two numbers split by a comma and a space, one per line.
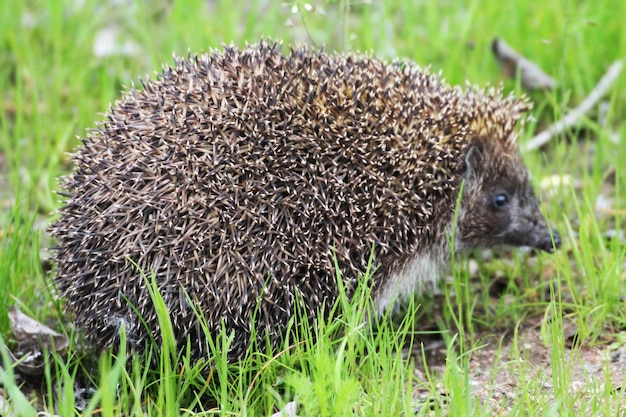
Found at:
[501, 368]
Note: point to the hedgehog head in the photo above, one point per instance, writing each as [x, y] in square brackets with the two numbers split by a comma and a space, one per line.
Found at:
[499, 205]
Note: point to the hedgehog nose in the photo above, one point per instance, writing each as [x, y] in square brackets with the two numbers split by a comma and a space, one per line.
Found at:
[550, 243]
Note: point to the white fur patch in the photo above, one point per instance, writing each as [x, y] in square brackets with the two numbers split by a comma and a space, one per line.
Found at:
[420, 273]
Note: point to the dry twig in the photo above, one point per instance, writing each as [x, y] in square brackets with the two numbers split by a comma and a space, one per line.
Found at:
[512, 63]
[603, 85]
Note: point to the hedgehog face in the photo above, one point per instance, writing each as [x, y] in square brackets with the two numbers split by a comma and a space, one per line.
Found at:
[499, 205]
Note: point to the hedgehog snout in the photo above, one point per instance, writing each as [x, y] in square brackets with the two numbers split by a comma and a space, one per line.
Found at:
[549, 242]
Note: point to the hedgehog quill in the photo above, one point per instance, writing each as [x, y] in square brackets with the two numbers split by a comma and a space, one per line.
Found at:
[238, 177]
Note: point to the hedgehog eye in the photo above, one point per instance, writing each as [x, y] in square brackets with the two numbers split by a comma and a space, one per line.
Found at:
[500, 200]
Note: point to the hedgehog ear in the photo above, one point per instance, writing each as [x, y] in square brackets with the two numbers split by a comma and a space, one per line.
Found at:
[473, 160]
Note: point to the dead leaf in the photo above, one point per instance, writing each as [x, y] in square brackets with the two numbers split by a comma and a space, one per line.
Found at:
[288, 411]
[33, 340]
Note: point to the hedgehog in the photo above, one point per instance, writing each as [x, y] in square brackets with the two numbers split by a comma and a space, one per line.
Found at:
[245, 181]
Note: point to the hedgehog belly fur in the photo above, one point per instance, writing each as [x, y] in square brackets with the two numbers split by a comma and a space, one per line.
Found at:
[418, 275]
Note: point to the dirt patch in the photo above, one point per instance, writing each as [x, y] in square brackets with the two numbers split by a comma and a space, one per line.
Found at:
[504, 369]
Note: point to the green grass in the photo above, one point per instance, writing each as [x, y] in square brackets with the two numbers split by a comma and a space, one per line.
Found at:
[53, 88]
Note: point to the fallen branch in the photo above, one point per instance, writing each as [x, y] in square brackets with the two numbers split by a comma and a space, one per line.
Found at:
[573, 117]
[512, 64]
